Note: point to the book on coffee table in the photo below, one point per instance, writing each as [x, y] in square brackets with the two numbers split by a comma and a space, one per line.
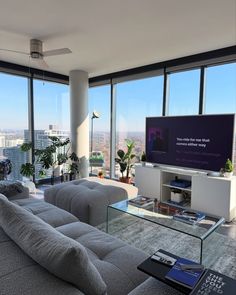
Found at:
[189, 216]
[213, 283]
[141, 201]
[186, 278]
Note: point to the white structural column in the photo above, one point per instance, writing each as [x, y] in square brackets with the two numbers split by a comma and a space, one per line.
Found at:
[80, 118]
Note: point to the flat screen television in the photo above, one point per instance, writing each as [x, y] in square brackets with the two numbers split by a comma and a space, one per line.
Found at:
[202, 142]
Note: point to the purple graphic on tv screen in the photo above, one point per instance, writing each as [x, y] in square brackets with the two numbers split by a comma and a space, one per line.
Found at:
[158, 139]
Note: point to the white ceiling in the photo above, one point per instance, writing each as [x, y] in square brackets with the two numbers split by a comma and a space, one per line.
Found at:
[111, 35]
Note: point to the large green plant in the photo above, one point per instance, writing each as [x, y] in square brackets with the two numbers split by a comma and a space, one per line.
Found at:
[125, 158]
[55, 154]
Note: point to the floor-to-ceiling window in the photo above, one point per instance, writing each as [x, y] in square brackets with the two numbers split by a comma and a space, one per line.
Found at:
[220, 92]
[14, 120]
[99, 118]
[220, 89]
[183, 93]
[133, 100]
[136, 100]
[51, 114]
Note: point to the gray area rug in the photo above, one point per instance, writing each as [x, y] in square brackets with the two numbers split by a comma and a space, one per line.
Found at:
[219, 252]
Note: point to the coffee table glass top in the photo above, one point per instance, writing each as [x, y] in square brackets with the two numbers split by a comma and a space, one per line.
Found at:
[164, 217]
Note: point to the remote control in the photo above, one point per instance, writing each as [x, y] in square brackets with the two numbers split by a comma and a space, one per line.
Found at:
[192, 267]
[162, 258]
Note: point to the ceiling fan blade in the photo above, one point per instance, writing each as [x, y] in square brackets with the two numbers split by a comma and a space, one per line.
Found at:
[41, 63]
[57, 52]
[14, 51]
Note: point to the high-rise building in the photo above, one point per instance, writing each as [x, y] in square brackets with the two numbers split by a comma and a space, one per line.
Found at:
[17, 158]
[2, 140]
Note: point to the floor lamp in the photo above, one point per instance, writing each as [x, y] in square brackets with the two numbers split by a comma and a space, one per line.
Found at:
[94, 116]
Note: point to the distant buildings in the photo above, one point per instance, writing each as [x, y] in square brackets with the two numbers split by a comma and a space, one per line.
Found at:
[17, 158]
[2, 140]
[11, 141]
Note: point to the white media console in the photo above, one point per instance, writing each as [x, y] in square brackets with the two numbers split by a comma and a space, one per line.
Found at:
[213, 195]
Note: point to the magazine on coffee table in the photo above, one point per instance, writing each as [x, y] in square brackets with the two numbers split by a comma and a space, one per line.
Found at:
[141, 201]
[189, 216]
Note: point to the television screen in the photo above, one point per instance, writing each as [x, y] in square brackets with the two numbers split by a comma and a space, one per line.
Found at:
[202, 142]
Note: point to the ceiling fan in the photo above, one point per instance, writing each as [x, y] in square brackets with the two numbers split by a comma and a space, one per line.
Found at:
[37, 54]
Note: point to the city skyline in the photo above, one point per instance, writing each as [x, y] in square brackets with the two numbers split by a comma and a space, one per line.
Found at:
[11, 147]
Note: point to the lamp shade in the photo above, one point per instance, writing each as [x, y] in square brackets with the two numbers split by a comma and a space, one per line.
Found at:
[95, 115]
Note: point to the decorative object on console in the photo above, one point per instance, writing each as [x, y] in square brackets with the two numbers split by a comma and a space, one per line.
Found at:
[189, 216]
[143, 158]
[228, 169]
[183, 183]
[126, 160]
[176, 195]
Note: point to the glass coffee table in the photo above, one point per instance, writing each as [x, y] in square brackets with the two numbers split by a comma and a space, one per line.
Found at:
[202, 231]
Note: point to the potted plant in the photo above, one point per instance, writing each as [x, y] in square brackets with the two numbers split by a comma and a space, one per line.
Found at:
[143, 159]
[101, 174]
[228, 169]
[74, 167]
[54, 155]
[125, 160]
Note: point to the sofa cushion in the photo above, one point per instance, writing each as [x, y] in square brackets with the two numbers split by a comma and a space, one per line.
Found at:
[116, 261]
[47, 212]
[60, 255]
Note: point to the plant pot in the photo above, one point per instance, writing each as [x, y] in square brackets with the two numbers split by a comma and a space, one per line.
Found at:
[143, 163]
[228, 174]
[125, 179]
[72, 176]
[52, 179]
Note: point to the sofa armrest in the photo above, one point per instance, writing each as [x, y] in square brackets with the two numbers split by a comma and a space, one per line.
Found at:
[23, 195]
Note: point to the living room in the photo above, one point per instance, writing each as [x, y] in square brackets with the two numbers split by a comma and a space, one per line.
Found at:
[94, 73]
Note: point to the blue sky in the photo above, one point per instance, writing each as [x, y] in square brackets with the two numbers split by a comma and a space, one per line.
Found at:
[141, 98]
[51, 103]
[135, 99]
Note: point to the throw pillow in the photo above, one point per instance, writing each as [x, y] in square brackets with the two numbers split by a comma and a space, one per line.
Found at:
[60, 255]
